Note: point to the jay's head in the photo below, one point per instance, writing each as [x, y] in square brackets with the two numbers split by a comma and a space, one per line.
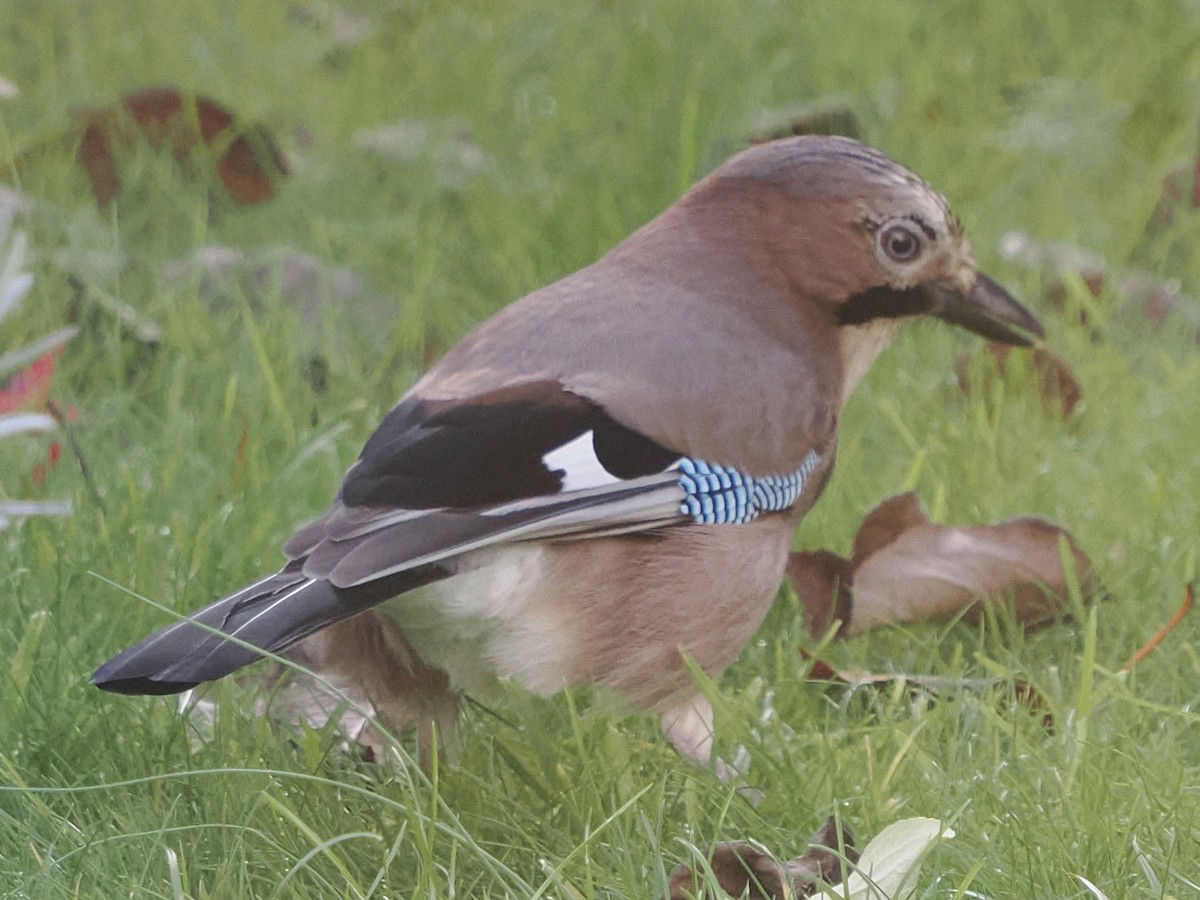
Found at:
[857, 234]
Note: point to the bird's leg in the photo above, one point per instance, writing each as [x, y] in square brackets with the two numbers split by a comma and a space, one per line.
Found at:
[371, 655]
[689, 728]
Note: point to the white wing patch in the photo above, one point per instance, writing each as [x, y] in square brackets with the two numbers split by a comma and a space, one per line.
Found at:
[582, 469]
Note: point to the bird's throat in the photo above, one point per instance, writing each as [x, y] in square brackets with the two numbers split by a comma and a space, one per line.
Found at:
[860, 345]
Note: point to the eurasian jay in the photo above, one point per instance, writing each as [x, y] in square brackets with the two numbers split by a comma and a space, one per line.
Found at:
[605, 476]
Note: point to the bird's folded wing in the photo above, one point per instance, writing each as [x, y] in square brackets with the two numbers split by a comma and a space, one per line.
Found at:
[437, 480]
[401, 541]
[526, 462]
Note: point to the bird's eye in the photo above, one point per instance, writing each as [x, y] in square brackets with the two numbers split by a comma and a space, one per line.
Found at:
[900, 243]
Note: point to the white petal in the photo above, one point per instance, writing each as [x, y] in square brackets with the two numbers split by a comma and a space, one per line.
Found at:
[889, 865]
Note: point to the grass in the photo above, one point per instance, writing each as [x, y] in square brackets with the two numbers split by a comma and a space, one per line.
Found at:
[1059, 120]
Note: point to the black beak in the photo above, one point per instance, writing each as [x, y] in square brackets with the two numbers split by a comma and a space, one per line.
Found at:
[987, 309]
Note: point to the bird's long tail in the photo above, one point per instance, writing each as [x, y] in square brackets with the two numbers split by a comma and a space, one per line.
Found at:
[270, 614]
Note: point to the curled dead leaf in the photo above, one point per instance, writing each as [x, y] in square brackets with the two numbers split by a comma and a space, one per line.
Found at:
[904, 568]
[249, 160]
[745, 870]
[741, 869]
[825, 859]
[1060, 389]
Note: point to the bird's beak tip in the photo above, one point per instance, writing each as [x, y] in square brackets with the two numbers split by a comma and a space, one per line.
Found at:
[990, 311]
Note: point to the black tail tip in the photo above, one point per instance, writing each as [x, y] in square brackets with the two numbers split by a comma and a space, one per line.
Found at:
[139, 685]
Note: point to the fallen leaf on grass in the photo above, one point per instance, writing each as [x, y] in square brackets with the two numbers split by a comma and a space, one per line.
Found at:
[744, 870]
[249, 160]
[1060, 389]
[889, 865]
[904, 568]
[741, 869]
[886, 870]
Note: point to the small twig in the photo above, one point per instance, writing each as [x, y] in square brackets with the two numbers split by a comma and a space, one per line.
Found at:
[1189, 600]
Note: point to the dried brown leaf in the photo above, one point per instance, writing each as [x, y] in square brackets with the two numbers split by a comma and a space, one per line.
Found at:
[1060, 389]
[906, 569]
[741, 869]
[744, 870]
[165, 117]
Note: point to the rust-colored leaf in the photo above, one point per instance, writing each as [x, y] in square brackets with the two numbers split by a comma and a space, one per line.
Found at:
[904, 568]
[166, 118]
[821, 579]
